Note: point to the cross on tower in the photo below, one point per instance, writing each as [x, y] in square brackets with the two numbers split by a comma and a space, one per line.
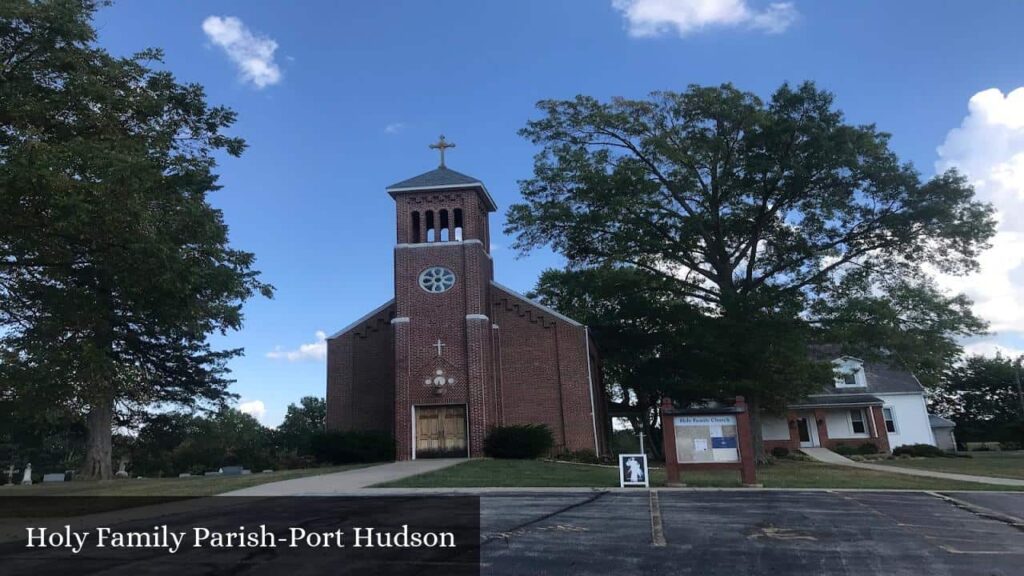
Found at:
[439, 346]
[442, 145]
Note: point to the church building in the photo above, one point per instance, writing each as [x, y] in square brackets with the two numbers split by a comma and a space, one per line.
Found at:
[455, 353]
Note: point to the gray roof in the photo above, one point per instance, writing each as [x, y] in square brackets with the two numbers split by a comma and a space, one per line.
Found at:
[881, 378]
[848, 400]
[940, 422]
[441, 177]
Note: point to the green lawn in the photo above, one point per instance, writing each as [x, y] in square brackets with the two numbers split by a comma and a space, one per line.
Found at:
[196, 486]
[782, 474]
[1001, 464]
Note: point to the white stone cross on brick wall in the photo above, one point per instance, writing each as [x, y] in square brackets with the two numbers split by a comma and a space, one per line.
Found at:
[439, 346]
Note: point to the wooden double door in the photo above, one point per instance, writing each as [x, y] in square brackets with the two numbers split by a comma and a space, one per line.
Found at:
[441, 432]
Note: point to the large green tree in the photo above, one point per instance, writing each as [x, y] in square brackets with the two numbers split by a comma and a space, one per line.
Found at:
[301, 423]
[985, 397]
[779, 221]
[114, 267]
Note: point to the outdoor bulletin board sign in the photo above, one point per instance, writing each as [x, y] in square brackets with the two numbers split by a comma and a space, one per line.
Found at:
[708, 438]
[633, 470]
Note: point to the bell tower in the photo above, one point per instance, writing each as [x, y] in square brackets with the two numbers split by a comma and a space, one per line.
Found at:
[443, 341]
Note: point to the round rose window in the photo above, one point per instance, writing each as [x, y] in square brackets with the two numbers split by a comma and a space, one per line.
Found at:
[437, 279]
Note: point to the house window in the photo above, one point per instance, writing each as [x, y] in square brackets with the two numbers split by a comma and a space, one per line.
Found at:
[849, 372]
[857, 421]
[890, 420]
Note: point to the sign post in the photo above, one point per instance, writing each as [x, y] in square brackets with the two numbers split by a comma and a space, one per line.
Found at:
[708, 439]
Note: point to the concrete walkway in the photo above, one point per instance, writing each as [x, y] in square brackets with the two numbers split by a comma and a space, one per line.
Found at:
[346, 481]
[829, 457]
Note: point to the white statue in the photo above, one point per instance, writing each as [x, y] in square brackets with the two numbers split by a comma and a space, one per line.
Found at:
[121, 472]
[27, 478]
[635, 473]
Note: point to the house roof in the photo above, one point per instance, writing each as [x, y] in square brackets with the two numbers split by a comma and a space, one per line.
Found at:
[939, 422]
[880, 376]
[442, 177]
[838, 401]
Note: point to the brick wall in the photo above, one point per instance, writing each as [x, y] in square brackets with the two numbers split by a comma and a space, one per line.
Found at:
[544, 371]
[360, 375]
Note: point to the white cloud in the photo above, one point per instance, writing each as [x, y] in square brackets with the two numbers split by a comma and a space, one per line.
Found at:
[253, 54]
[647, 18]
[988, 148]
[990, 348]
[254, 408]
[394, 128]
[314, 351]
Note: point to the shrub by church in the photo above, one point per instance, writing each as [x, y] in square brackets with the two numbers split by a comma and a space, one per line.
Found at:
[454, 353]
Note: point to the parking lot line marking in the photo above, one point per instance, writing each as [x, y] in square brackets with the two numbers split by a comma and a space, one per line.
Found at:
[657, 531]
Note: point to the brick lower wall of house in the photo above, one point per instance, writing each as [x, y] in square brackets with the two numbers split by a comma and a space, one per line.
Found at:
[881, 440]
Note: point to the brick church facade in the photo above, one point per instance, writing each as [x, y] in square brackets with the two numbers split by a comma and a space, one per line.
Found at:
[454, 353]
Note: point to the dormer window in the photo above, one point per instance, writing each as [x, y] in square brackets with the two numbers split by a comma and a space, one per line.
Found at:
[849, 373]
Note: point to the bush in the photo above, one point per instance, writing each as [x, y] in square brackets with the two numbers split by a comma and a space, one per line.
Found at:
[844, 449]
[867, 448]
[584, 456]
[523, 442]
[919, 451]
[338, 447]
[780, 452]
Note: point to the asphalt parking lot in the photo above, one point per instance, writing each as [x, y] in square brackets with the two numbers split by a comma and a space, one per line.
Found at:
[706, 532]
[749, 532]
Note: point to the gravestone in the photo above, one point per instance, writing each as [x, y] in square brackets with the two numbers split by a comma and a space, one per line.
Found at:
[211, 474]
[231, 470]
[121, 472]
[184, 475]
[10, 475]
[53, 477]
[27, 478]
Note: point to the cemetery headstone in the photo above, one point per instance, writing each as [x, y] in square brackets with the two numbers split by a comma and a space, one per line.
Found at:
[231, 470]
[27, 478]
[53, 477]
[121, 472]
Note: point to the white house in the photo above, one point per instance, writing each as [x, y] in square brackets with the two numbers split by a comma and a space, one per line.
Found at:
[868, 402]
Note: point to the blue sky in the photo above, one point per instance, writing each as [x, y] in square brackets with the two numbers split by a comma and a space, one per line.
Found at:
[338, 100]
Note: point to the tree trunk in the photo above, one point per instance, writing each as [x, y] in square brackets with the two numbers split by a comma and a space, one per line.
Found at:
[754, 408]
[98, 464]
